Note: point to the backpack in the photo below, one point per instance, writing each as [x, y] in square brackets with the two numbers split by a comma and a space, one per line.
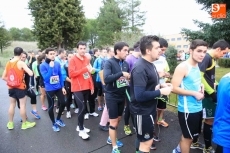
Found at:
[12, 77]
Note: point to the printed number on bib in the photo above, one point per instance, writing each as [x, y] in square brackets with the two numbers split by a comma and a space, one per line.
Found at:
[86, 75]
[122, 82]
[54, 79]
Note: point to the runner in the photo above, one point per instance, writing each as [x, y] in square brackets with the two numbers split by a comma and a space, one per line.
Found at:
[69, 94]
[103, 125]
[29, 91]
[14, 76]
[115, 77]
[54, 86]
[61, 59]
[82, 85]
[162, 68]
[144, 89]
[187, 84]
[97, 66]
[221, 131]
[131, 60]
[207, 68]
[41, 59]
[36, 74]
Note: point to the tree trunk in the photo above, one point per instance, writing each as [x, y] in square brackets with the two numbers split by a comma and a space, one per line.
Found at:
[1, 49]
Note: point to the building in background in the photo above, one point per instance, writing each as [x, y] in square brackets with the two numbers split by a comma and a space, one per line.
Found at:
[178, 41]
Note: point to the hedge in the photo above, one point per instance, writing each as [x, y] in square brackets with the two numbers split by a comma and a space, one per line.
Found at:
[224, 62]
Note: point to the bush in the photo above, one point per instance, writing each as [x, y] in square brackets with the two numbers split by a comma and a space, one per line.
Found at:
[171, 57]
[224, 62]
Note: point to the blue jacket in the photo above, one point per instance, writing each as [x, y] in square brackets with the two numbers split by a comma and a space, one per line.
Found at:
[52, 76]
[97, 66]
[63, 65]
[221, 125]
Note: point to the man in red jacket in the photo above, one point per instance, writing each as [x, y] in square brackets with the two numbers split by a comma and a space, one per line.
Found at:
[82, 85]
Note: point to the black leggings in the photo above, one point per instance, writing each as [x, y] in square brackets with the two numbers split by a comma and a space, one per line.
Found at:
[37, 83]
[61, 100]
[69, 94]
[81, 98]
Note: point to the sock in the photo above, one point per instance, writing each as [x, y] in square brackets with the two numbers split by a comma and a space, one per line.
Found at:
[178, 148]
[207, 135]
[195, 140]
[137, 144]
[115, 147]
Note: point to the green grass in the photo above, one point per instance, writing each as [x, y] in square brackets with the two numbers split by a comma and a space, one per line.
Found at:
[220, 72]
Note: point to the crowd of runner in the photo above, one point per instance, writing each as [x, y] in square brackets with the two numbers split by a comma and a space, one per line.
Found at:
[122, 80]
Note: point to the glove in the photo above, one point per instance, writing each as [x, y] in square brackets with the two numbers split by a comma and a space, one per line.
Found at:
[213, 96]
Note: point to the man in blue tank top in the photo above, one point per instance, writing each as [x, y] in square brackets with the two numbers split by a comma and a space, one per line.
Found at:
[221, 130]
[187, 84]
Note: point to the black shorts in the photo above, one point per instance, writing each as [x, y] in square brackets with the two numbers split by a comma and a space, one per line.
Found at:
[41, 83]
[162, 102]
[144, 125]
[115, 107]
[190, 124]
[17, 93]
[99, 88]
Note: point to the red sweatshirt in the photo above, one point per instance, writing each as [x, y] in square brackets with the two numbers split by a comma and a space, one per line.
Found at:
[81, 78]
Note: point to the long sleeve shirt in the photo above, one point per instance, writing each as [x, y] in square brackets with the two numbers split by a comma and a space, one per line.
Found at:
[80, 77]
[52, 76]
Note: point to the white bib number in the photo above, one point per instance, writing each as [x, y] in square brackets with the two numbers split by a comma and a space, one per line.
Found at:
[54, 79]
[122, 82]
[86, 75]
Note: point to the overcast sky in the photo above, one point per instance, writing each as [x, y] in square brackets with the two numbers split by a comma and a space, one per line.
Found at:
[162, 17]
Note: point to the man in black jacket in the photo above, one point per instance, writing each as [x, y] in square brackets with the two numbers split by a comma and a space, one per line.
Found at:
[116, 79]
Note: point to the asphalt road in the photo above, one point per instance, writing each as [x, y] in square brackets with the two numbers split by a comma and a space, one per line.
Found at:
[42, 139]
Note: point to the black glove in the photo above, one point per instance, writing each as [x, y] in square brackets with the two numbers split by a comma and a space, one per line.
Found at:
[214, 97]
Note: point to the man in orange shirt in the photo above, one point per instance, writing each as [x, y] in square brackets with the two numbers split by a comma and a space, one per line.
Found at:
[82, 85]
[14, 76]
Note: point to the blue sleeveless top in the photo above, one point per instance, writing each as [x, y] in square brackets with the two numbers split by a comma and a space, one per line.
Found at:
[192, 82]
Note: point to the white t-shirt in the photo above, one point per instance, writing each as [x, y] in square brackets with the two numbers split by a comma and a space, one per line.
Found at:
[162, 66]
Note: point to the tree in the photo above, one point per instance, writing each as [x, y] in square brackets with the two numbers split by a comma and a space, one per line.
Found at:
[130, 37]
[219, 29]
[57, 23]
[15, 33]
[27, 35]
[4, 37]
[171, 57]
[135, 17]
[24, 34]
[90, 32]
[111, 21]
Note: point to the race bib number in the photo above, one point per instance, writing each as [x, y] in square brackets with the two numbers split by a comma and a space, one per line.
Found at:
[86, 75]
[54, 79]
[122, 82]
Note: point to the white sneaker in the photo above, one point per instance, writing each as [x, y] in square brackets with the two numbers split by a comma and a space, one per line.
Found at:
[85, 129]
[76, 110]
[86, 116]
[68, 114]
[83, 135]
[65, 109]
[94, 114]
[57, 110]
